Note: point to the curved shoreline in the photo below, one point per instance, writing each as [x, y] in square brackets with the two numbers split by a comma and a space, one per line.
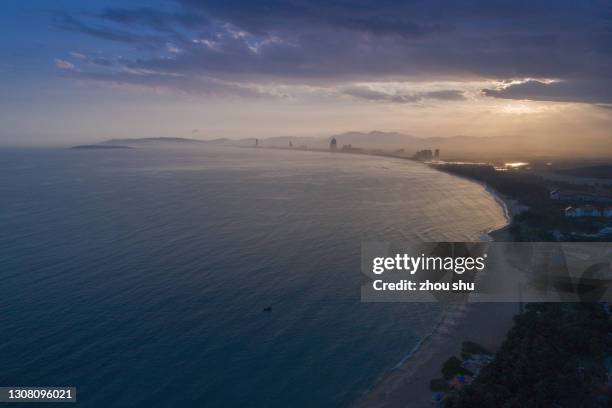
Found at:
[407, 383]
[490, 235]
[502, 203]
[397, 379]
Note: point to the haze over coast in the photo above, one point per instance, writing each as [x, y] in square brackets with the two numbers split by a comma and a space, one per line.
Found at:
[457, 147]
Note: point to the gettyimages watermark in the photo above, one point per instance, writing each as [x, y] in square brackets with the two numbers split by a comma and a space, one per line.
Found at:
[486, 272]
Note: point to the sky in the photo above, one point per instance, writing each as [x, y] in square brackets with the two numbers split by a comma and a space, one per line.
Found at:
[76, 72]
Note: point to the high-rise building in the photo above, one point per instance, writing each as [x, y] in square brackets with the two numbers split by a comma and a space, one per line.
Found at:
[333, 144]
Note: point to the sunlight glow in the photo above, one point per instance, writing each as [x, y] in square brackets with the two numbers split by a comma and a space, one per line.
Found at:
[521, 108]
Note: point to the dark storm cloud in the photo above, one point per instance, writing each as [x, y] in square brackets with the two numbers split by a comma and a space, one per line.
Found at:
[591, 91]
[375, 17]
[339, 41]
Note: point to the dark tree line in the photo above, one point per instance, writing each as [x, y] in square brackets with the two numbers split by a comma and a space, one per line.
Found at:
[553, 356]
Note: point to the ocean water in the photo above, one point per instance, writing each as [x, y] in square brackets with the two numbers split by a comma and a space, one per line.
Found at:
[139, 276]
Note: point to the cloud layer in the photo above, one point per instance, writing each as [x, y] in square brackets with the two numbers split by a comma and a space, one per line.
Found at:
[229, 46]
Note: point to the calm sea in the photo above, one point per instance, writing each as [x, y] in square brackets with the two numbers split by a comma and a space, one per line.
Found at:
[139, 276]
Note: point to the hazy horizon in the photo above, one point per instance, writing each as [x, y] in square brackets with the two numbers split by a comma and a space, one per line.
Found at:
[80, 73]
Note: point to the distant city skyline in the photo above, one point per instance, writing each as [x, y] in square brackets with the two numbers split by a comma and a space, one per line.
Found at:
[78, 72]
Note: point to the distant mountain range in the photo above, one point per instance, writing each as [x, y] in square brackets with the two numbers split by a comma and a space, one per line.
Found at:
[160, 140]
[454, 147]
[469, 147]
[101, 146]
[464, 147]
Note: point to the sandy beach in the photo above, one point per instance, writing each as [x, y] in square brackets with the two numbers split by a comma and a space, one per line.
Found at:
[408, 385]
[484, 323]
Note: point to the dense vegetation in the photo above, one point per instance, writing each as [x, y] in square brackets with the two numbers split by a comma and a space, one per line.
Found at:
[452, 367]
[527, 188]
[601, 171]
[553, 356]
[469, 348]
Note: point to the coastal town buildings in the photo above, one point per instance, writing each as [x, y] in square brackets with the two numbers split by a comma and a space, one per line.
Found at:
[583, 211]
[588, 211]
[423, 155]
[333, 144]
[605, 232]
[460, 381]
